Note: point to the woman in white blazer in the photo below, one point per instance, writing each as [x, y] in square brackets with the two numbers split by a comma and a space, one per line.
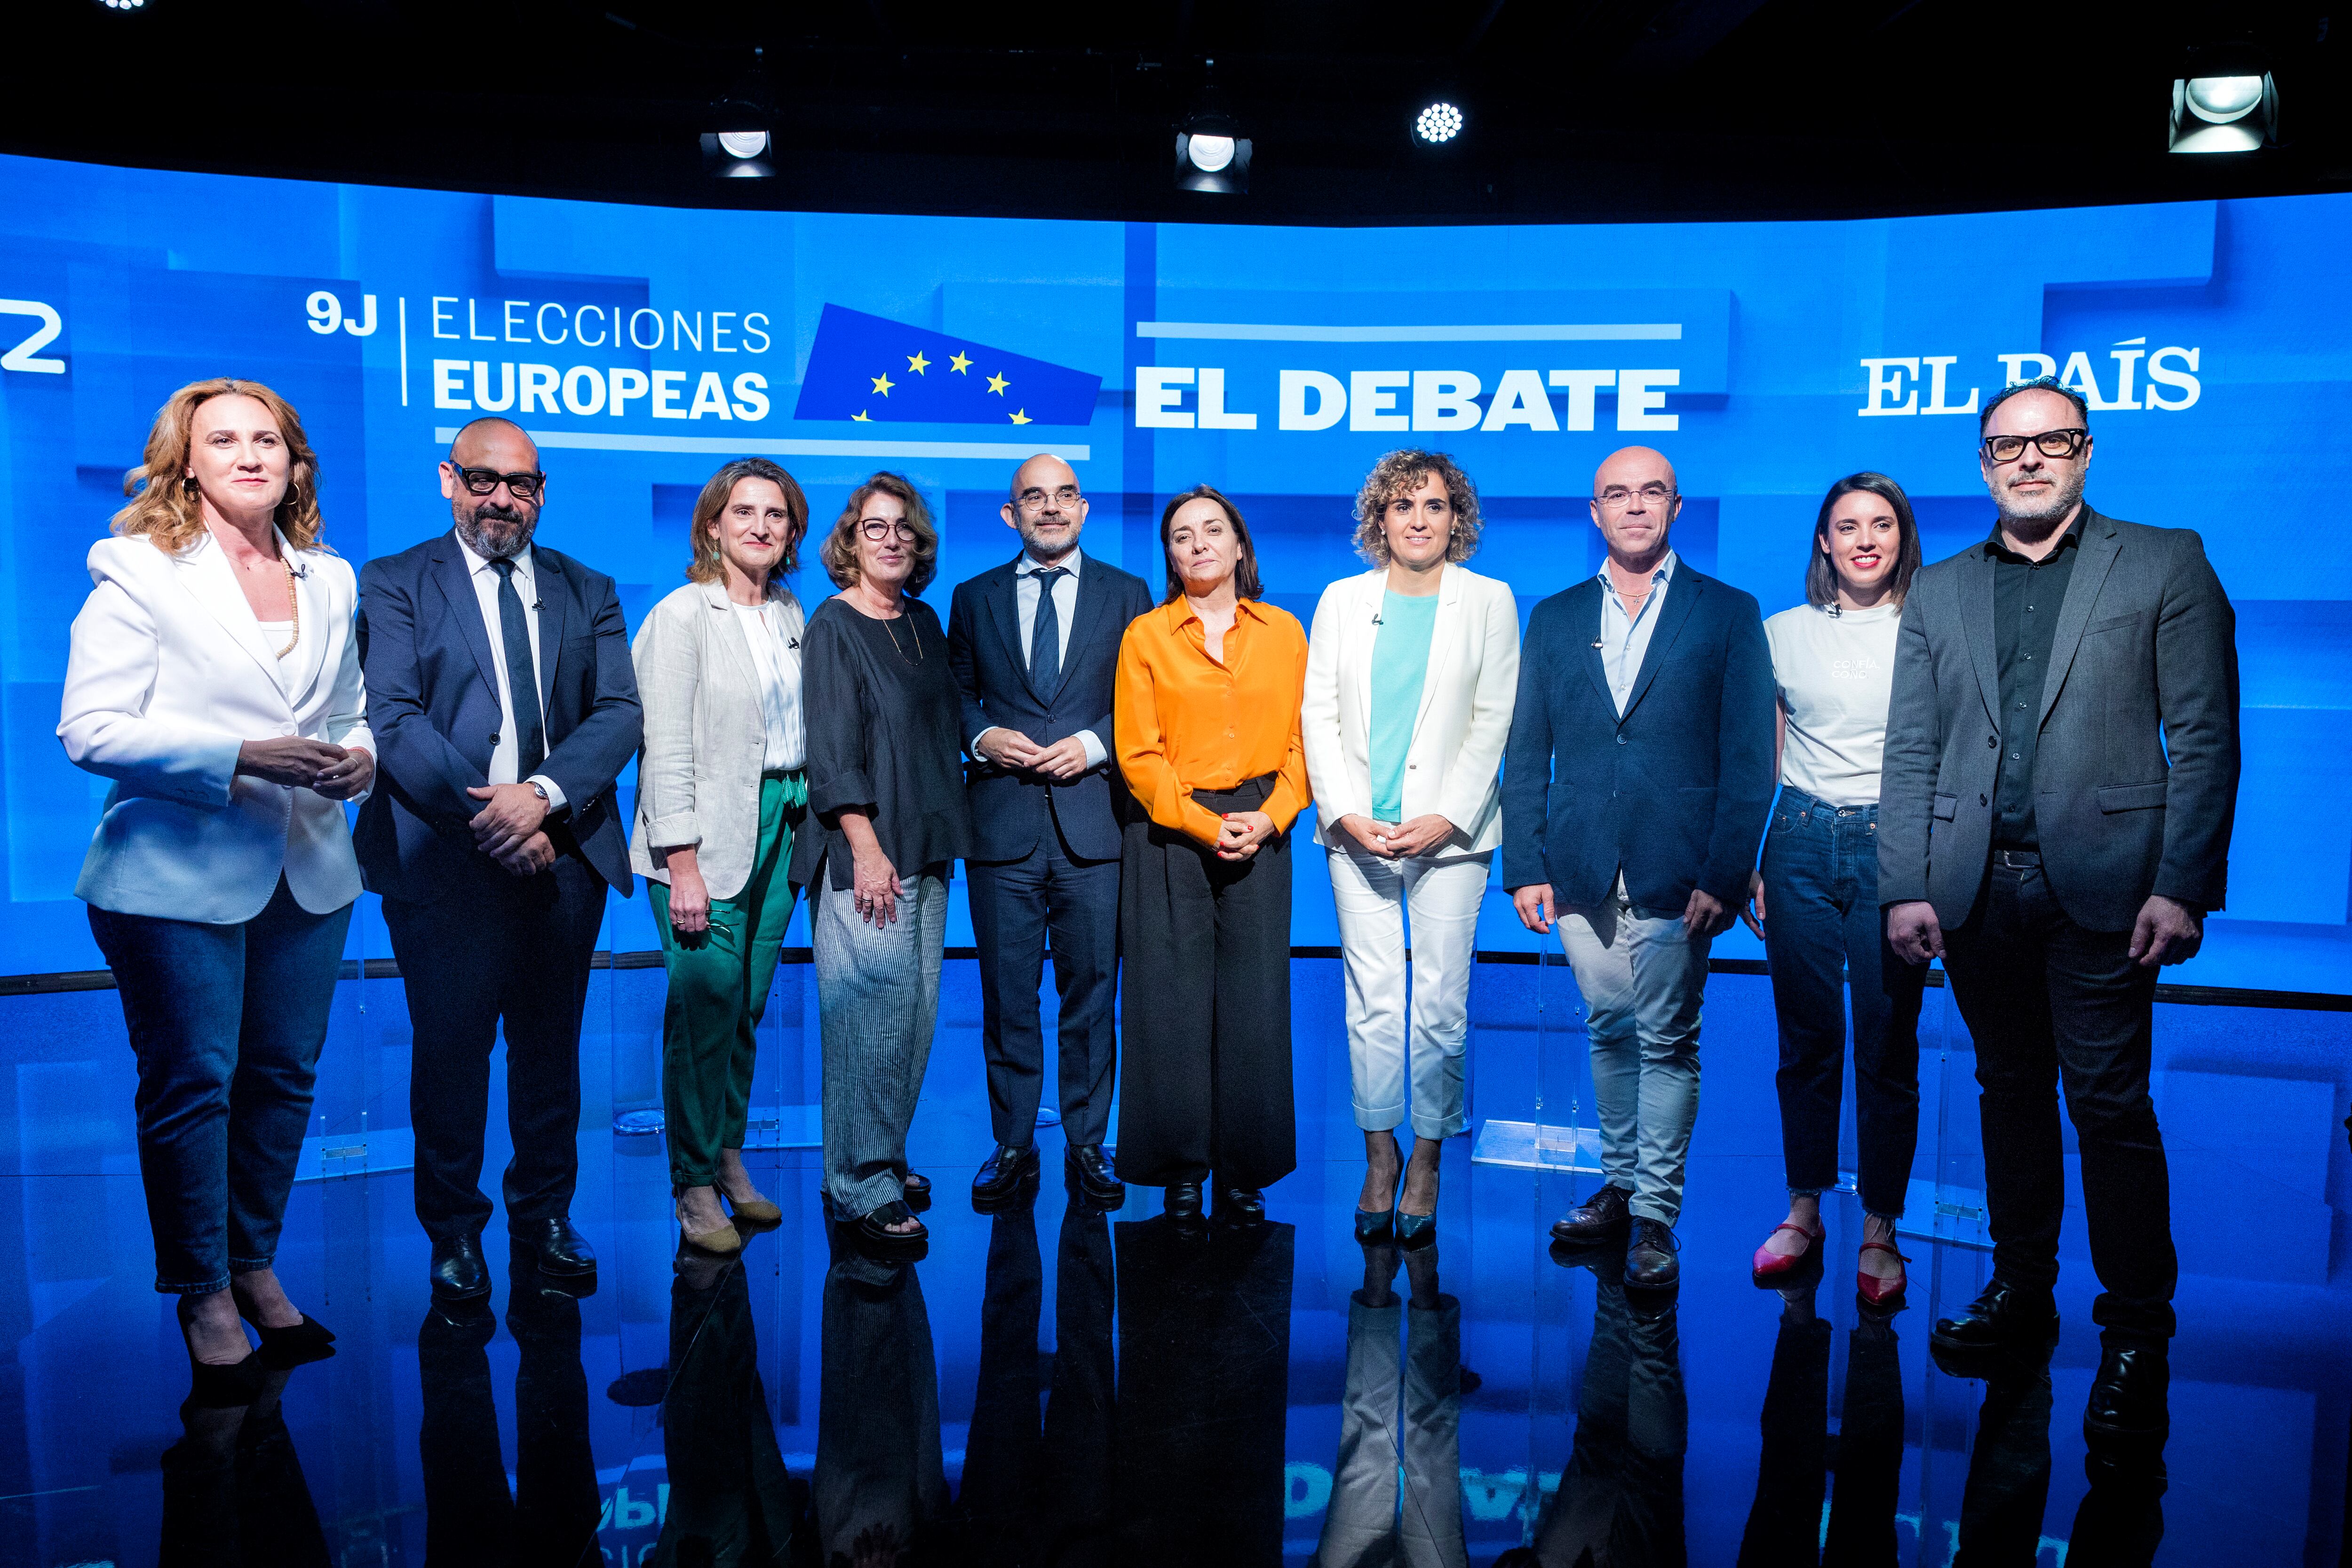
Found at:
[214, 677]
[1411, 670]
[722, 785]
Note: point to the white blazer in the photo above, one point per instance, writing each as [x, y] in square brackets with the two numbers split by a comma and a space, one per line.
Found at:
[706, 733]
[1455, 763]
[168, 675]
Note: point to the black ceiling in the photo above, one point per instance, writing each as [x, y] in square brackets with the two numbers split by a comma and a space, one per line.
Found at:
[1578, 109]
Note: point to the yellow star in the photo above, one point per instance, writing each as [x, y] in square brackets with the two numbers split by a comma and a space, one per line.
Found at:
[1021, 416]
[882, 383]
[861, 420]
[997, 383]
[960, 364]
[917, 363]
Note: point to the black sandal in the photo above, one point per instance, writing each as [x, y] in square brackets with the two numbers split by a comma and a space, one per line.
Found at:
[874, 1237]
[918, 1188]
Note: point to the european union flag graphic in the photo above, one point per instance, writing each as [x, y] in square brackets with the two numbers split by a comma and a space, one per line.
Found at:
[870, 368]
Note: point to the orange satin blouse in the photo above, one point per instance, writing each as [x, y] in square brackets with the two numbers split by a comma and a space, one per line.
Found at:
[1185, 721]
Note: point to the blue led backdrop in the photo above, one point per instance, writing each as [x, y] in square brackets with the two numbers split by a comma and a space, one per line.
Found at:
[644, 346]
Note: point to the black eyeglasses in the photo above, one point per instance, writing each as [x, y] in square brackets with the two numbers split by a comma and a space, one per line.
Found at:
[878, 529]
[524, 485]
[2049, 443]
[1033, 498]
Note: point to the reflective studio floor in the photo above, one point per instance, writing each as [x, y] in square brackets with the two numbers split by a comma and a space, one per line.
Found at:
[1057, 1385]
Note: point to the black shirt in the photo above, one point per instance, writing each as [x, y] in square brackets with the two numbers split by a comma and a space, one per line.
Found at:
[883, 713]
[2026, 597]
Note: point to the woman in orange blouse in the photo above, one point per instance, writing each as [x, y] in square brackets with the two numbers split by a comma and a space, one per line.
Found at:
[1207, 726]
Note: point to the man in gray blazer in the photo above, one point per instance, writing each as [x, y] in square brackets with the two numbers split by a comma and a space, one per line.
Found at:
[2061, 776]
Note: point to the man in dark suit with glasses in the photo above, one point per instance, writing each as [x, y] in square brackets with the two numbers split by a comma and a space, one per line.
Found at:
[1034, 644]
[2060, 777]
[504, 703]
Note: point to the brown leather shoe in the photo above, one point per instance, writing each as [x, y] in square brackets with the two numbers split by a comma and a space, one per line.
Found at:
[1602, 1215]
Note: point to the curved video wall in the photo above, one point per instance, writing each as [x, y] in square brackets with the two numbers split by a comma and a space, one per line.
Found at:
[643, 347]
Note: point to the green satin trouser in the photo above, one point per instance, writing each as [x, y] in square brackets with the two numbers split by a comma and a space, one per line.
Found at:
[719, 984]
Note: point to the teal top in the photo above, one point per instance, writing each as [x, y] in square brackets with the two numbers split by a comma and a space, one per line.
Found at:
[1400, 665]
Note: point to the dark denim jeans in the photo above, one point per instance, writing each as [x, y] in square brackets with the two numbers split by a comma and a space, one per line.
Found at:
[227, 1021]
[1822, 926]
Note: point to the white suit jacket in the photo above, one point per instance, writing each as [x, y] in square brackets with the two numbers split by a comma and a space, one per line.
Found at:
[1455, 763]
[706, 733]
[168, 675]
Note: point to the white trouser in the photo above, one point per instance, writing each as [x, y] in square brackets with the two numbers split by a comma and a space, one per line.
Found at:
[1372, 896]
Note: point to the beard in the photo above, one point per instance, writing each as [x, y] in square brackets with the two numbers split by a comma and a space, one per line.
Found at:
[493, 532]
[2037, 515]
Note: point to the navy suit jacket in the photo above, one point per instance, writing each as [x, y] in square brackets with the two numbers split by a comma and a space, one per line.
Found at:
[433, 703]
[1676, 793]
[1012, 810]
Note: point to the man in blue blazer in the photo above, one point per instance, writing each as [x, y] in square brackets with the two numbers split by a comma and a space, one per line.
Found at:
[504, 706]
[1635, 788]
[1034, 644]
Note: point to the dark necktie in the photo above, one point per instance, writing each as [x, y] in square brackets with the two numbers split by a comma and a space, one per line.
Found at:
[1045, 633]
[522, 674]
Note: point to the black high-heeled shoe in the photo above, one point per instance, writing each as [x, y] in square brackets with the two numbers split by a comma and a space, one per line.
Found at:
[290, 1344]
[1375, 1225]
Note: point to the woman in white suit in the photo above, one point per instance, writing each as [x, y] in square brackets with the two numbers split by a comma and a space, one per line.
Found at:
[1411, 670]
[215, 678]
[722, 788]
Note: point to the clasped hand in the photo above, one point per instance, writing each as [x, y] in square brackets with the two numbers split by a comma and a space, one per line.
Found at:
[1239, 833]
[296, 762]
[508, 829]
[1063, 761]
[1394, 842]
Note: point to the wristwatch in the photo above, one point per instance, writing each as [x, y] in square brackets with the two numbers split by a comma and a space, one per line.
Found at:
[540, 790]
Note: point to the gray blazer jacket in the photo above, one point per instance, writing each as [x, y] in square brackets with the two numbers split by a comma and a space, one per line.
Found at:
[2135, 774]
[706, 735]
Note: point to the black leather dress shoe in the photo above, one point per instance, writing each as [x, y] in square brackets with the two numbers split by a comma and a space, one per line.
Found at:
[1241, 1206]
[560, 1251]
[1650, 1260]
[1092, 1174]
[1183, 1202]
[1005, 1177]
[2130, 1396]
[459, 1273]
[2003, 1318]
[1597, 1218]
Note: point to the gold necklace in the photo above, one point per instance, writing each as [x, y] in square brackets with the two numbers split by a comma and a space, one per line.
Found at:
[890, 627]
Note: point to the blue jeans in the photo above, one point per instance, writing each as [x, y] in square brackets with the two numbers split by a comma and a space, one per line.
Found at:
[1823, 925]
[226, 1022]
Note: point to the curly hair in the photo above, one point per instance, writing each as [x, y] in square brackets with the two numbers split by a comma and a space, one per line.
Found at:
[164, 503]
[704, 567]
[839, 551]
[1401, 473]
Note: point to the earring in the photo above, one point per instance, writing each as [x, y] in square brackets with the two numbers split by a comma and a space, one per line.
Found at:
[188, 483]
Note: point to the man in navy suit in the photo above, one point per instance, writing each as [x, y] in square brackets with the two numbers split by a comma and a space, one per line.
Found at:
[1635, 788]
[1034, 644]
[504, 706]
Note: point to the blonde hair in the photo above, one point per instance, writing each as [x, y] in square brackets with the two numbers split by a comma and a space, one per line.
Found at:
[705, 566]
[839, 551]
[1401, 473]
[165, 502]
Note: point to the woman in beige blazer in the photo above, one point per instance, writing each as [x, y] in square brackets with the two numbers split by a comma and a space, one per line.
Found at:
[1412, 670]
[722, 784]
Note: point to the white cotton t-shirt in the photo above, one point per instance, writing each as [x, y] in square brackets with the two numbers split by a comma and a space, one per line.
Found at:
[780, 685]
[1836, 676]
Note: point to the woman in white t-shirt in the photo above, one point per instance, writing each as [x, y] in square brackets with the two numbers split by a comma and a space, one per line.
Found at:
[1816, 898]
[722, 789]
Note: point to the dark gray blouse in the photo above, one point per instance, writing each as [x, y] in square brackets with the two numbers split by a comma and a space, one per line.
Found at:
[883, 713]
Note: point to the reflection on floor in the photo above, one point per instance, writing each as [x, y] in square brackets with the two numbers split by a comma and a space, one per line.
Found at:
[1057, 1385]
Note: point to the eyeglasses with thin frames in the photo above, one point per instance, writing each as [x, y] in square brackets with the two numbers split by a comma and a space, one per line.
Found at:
[1033, 498]
[2049, 443]
[1652, 494]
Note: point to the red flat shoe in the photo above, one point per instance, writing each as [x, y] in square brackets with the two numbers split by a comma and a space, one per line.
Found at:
[1770, 1266]
[1877, 1291]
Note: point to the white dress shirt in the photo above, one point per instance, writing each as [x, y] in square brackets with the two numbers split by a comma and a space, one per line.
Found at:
[780, 685]
[1625, 640]
[1025, 589]
[505, 757]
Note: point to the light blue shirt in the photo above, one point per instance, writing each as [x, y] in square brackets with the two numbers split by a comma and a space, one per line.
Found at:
[1399, 666]
[1624, 642]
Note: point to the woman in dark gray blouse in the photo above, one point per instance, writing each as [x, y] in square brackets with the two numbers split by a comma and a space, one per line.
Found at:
[887, 822]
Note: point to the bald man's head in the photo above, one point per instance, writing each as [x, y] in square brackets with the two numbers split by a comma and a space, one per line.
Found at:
[1635, 499]
[498, 521]
[1045, 507]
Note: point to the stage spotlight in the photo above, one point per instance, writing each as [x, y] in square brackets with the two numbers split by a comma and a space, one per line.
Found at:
[2223, 101]
[1212, 153]
[738, 154]
[1437, 125]
[124, 5]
